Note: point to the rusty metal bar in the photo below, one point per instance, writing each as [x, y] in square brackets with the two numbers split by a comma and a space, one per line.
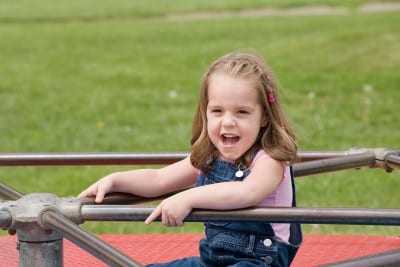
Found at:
[387, 259]
[281, 215]
[118, 198]
[98, 248]
[9, 193]
[125, 198]
[334, 164]
[51, 159]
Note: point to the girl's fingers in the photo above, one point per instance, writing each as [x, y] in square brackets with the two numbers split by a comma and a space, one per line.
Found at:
[98, 192]
[99, 197]
[156, 213]
[86, 193]
[179, 223]
[82, 195]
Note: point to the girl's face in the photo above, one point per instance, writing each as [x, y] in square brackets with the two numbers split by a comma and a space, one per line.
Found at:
[234, 115]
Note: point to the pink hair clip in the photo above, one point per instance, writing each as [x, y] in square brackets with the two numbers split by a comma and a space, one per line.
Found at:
[271, 97]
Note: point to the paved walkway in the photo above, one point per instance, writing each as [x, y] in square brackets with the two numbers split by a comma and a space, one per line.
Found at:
[298, 11]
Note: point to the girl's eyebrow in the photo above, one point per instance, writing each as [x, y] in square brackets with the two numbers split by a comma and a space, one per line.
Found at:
[212, 105]
[239, 107]
[251, 106]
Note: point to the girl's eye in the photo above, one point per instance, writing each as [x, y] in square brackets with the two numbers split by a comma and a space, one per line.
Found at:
[242, 111]
[216, 110]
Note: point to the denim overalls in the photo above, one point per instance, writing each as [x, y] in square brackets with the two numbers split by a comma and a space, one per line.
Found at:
[239, 243]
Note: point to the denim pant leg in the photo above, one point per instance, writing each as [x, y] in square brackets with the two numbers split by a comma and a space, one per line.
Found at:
[239, 249]
[248, 264]
[185, 262]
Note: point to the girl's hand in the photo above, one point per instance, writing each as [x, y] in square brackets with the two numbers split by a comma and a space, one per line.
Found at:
[98, 189]
[173, 211]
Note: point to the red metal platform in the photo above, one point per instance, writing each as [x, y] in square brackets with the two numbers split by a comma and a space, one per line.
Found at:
[316, 249]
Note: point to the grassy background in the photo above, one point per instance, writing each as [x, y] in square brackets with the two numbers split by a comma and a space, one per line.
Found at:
[118, 76]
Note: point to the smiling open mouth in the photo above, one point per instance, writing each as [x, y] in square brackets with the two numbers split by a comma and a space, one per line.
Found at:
[229, 139]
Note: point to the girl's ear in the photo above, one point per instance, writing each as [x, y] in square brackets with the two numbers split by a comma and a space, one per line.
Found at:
[263, 121]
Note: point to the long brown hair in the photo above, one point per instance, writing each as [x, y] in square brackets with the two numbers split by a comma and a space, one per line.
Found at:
[276, 137]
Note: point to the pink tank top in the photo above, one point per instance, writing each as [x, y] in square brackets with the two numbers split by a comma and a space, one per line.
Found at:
[281, 197]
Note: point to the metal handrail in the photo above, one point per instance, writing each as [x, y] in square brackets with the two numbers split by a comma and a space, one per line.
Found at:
[355, 216]
[379, 157]
[366, 159]
[76, 159]
[128, 158]
[393, 161]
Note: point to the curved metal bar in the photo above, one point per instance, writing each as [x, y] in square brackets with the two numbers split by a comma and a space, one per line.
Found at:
[85, 240]
[9, 193]
[281, 215]
[334, 164]
[387, 259]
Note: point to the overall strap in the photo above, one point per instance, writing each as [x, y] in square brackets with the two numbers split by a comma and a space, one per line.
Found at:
[296, 236]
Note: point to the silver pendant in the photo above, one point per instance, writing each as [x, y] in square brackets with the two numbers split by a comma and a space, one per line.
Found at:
[239, 173]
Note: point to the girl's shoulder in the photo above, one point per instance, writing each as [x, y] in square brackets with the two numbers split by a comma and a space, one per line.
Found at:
[259, 155]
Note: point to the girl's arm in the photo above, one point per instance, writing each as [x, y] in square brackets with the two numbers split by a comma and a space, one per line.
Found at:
[263, 180]
[144, 182]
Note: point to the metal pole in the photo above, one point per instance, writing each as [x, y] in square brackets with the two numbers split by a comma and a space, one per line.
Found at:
[281, 215]
[387, 259]
[393, 161]
[51, 159]
[9, 193]
[85, 240]
[305, 156]
[334, 164]
[43, 159]
[38, 248]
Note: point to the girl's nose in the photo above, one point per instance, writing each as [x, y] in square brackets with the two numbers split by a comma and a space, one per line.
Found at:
[228, 120]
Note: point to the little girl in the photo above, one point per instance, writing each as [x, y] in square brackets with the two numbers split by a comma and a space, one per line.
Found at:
[241, 149]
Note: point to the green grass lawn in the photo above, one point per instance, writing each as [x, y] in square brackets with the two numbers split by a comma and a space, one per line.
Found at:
[131, 84]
